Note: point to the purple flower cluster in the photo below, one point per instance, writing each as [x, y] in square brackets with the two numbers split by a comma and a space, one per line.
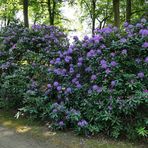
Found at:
[82, 123]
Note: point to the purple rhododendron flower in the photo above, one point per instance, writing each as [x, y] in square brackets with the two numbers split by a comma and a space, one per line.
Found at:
[86, 38]
[82, 123]
[97, 38]
[124, 51]
[51, 62]
[80, 59]
[103, 62]
[145, 45]
[126, 24]
[113, 54]
[113, 63]
[68, 59]
[75, 38]
[107, 30]
[49, 85]
[143, 20]
[145, 91]
[71, 70]
[99, 51]
[93, 77]
[68, 90]
[59, 88]
[108, 71]
[123, 40]
[61, 123]
[140, 75]
[88, 69]
[79, 64]
[79, 85]
[146, 60]
[113, 83]
[143, 32]
[104, 66]
[138, 25]
[55, 84]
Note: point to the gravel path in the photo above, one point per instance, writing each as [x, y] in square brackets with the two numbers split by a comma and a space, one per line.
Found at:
[10, 139]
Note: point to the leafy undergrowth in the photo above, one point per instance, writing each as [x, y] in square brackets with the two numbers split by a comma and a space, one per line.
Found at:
[61, 139]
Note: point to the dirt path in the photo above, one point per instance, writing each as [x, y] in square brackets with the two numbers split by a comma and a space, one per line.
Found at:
[25, 134]
[10, 139]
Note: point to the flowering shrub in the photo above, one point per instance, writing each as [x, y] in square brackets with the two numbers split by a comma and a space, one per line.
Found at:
[94, 85]
[105, 79]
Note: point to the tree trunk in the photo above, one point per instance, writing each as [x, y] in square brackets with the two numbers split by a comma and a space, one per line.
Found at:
[25, 11]
[51, 11]
[128, 10]
[116, 11]
[93, 15]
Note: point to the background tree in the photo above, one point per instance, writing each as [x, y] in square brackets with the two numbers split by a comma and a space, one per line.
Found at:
[25, 12]
[116, 11]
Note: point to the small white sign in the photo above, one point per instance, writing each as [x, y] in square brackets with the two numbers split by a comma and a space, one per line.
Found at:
[146, 1]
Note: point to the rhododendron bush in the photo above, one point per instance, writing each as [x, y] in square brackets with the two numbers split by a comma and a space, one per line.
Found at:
[95, 85]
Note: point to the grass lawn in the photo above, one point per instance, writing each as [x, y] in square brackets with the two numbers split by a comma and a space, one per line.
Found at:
[61, 139]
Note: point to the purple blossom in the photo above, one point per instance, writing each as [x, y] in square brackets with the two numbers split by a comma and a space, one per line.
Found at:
[51, 62]
[59, 88]
[75, 38]
[91, 53]
[143, 32]
[79, 64]
[61, 123]
[138, 25]
[86, 38]
[88, 69]
[125, 24]
[79, 86]
[95, 87]
[80, 59]
[145, 91]
[55, 84]
[146, 60]
[124, 51]
[123, 40]
[145, 45]
[93, 77]
[68, 90]
[68, 59]
[104, 66]
[71, 70]
[107, 30]
[108, 71]
[82, 123]
[97, 38]
[140, 75]
[103, 62]
[99, 51]
[113, 83]
[49, 85]
[113, 63]
[143, 20]
[54, 110]
[113, 54]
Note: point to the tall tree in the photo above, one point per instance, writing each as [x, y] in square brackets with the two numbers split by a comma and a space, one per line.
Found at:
[128, 10]
[116, 11]
[25, 11]
[51, 10]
